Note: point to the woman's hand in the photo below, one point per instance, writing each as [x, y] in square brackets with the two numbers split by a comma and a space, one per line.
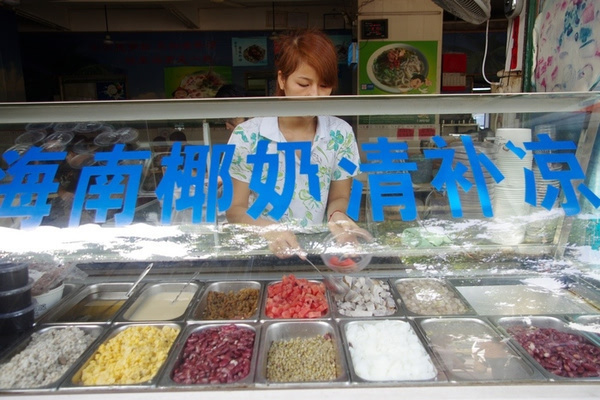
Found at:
[282, 242]
[346, 230]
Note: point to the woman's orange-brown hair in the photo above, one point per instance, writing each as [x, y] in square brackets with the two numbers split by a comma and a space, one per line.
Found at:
[309, 46]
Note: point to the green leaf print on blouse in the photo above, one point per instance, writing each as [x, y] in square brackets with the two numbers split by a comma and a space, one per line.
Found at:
[308, 200]
[336, 140]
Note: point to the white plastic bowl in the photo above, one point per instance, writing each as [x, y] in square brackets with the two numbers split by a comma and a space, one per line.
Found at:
[46, 301]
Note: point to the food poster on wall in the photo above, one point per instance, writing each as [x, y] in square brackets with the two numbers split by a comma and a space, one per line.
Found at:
[249, 51]
[111, 90]
[397, 67]
[195, 82]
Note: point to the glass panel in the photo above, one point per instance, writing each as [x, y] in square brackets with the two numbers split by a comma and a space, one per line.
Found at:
[459, 185]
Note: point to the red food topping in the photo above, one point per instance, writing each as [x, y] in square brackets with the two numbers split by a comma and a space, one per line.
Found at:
[296, 298]
[216, 355]
[561, 353]
[338, 262]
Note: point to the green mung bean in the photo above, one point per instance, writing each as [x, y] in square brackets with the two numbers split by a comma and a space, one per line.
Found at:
[302, 360]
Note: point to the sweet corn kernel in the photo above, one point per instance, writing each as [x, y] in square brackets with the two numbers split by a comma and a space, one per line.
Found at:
[132, 356]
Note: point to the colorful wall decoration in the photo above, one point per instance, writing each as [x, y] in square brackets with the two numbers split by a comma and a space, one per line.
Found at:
[567, 46]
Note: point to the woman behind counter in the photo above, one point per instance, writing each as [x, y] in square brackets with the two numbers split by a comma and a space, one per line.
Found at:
[306, 66]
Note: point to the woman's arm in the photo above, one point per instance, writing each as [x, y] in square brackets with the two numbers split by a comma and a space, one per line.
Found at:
[339, 223]
[238, 211]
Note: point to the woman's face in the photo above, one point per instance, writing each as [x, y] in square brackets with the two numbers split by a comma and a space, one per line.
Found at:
[304, 81]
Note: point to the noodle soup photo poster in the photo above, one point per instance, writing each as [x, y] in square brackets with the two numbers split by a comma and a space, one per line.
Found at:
[398, 67]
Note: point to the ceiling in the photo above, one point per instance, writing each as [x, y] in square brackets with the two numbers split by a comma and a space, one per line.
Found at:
[27, 9]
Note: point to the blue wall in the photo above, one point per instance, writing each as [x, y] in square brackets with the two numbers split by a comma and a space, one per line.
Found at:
[141, 57]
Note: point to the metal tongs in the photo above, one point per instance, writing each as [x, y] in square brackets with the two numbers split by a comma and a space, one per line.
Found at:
[139, 279]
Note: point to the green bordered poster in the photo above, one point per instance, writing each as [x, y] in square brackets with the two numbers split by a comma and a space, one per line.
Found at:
[194, 82]
[387, 67]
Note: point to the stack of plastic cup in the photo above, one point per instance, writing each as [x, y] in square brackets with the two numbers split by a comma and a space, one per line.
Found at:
[509, 197]
[543, 223]
[16, 305]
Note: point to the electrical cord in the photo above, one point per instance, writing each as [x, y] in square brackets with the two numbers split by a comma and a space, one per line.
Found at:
[487, 27]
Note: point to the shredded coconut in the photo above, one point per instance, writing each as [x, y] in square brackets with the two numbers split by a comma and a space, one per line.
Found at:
[46, 358]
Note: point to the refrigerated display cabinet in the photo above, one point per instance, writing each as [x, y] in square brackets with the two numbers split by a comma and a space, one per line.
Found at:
[458, 274]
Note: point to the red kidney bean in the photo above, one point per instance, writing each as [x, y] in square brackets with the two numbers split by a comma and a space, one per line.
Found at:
[216, 355]
[561, 353]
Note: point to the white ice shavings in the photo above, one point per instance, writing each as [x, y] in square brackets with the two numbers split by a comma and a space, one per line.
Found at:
[145, 250]
[137, 241]
[550, 284]
[594, 328]
[587, 255]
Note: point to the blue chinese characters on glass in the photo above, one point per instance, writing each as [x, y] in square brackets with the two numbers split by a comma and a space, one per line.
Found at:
[546, 152]
[112, 185]
[269, 163]
[30, 182]
[196, 177]
[451, 178]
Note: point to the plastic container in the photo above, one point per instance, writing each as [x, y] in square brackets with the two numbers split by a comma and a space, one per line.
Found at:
[81, 160]
[39, 126]
[16, 299]
[46, 301]
[128, 136]
[13, 276]
[65, 126]
[19, 148]
[89, 127]
[16, 322]
[106, 140]
[57, 141]
[31, 138]
[347, 257]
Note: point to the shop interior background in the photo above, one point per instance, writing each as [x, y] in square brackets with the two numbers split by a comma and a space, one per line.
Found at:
[52, 42]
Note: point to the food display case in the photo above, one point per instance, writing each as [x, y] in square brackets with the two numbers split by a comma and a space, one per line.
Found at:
[480, 282]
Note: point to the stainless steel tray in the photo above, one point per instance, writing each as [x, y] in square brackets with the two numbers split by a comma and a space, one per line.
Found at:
[175, 358]
[70, 289]
[264, 316]
[199, 308]
[358, 380]
[399, 312]
[285, 330]
[160, 296]
[525, 295]
[95, 330]
[589, 324]
[73, 381]
[430, 296]
[269, 329]
[470, 349]
[543, 322]
[72, 310]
